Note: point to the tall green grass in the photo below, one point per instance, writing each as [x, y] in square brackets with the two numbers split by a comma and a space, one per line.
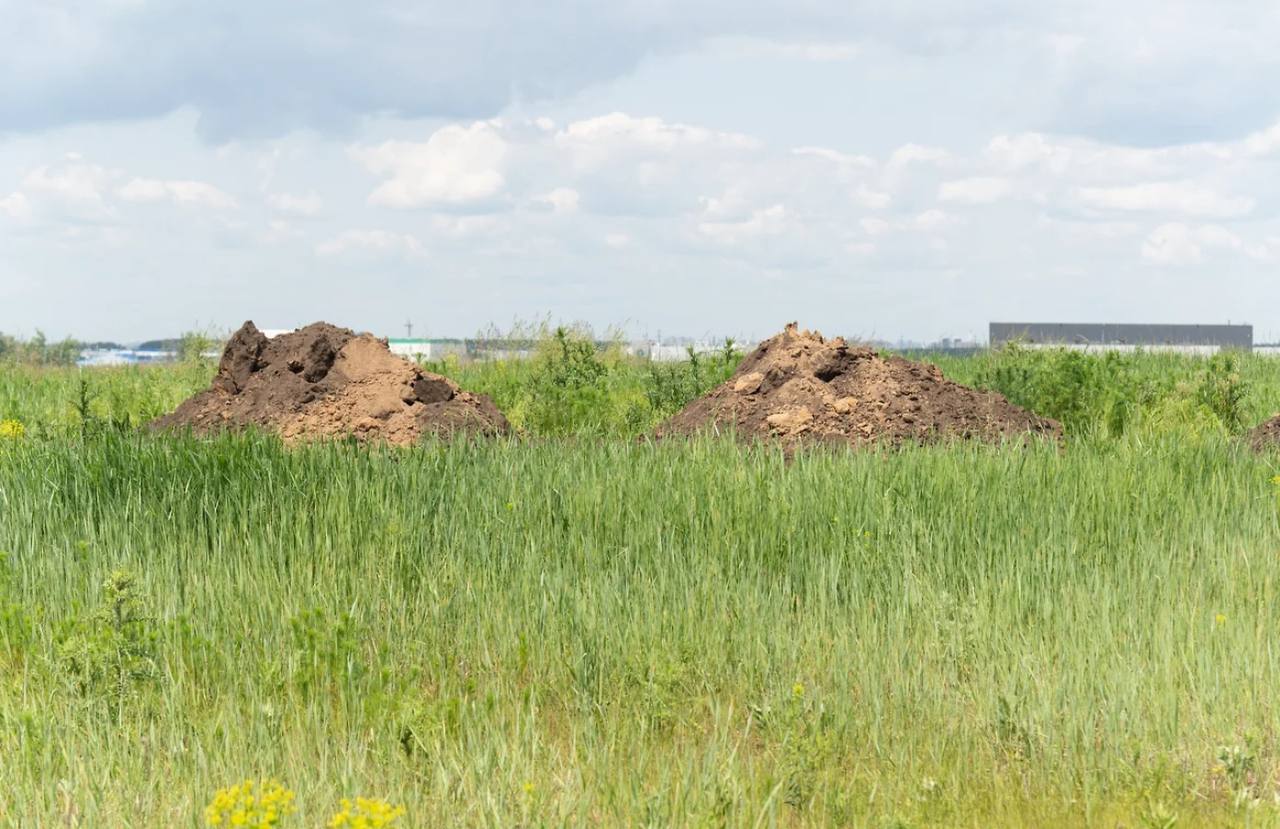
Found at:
[507, 633]
[576, 627]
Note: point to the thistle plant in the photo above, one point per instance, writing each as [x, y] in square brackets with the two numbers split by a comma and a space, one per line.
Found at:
[109, 653]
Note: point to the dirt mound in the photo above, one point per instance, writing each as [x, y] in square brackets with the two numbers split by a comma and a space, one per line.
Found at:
[798, 386]
[1266, 435]
[324, 381]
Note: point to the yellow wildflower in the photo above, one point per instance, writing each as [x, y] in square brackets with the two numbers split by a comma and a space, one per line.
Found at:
[1221, 618]
[241, 805]
[365, 813]
[12, 429]
[797, 690]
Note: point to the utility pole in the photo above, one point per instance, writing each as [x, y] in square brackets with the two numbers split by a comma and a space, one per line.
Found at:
[408, 329]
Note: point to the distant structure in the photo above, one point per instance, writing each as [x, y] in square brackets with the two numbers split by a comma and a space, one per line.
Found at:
[422, 349]
[1124, 336]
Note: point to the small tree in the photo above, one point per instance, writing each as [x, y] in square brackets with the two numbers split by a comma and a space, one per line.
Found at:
[194, 345]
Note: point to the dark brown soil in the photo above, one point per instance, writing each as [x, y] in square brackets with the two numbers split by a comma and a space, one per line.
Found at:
[1266, 435]
[798, 386]
[323, 381]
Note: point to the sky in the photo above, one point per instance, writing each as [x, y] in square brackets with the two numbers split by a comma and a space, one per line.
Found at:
[702, 168]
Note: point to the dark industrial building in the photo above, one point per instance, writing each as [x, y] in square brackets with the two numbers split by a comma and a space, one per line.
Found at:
[1123, 334]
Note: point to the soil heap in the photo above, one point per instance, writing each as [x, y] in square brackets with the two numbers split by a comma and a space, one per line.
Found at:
[797, 386]
[325, 381]
[1266, 435]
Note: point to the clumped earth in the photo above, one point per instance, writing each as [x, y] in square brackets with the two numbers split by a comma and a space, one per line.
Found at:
[798, 386]
[324, 381]
[1266, 435]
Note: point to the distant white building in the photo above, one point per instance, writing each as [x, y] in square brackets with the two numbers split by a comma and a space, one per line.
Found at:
[1189, 339]
[670, 353]
[101, 358]
[424, 349]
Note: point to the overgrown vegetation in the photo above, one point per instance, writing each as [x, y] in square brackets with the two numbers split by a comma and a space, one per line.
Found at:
[1117, 394]
[560, 631]
[38, 351]
[572, 384]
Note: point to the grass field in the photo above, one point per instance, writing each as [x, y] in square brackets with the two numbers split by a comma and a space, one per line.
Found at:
[576, 627]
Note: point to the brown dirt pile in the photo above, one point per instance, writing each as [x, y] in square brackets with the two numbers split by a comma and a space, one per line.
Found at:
[323, 381]
[797, 386]
[1266, 435]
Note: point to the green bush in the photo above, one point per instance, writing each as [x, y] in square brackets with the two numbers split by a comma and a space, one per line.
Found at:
[1115, 394]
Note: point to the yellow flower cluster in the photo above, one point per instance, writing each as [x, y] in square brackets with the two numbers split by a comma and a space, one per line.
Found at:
[242, 806]
[365, 813]
[12, 429]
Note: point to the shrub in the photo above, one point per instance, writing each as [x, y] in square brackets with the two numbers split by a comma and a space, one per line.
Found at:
[107, 654]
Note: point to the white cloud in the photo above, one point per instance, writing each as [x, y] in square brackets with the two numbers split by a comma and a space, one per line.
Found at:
[918, 154]
[1183, 197]
[594, 141]
[769, 221]
[1264, 142]
[975, 190]
[931, 220]
[15, 206]
[1017, 152]
[560, 200]
[371, 241]
[874, 226]
[927, 221]
[814, 51]
[457, 165]
[73, 183]
[196, 193]
[279, 230]
[1179, 244]
[871, 199]
[294, 205]
[462, 225]
[862, 161]
[617, 240]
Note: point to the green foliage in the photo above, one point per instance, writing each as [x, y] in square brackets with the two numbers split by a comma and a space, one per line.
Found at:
[565, 631]
[569, 386]
[1222, 391]
[569, 631]
[1082, 391]
[60, 402]
[107, 654]
[195, 346]
[574, 385]
[17, 622]
[674, 385]
[38, 351]
[1114, 394]
[324, 649]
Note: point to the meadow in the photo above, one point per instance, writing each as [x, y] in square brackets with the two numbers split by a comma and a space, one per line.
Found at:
[576, 626]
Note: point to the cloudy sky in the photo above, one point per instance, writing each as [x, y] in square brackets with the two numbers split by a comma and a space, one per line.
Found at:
[908, 169]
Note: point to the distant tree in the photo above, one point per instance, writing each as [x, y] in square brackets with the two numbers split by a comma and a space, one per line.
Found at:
[38, 351]
[62, 353]
[193, 345]
[34, 348]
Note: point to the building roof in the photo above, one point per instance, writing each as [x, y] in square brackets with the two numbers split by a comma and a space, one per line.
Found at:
[1080, 333]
